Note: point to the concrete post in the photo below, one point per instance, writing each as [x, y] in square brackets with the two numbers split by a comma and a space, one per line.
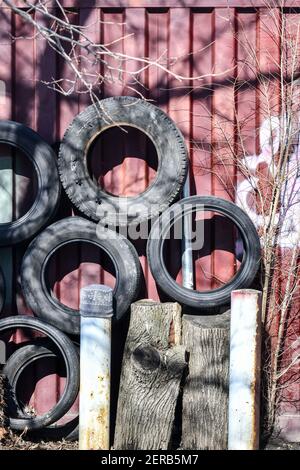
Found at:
[244, 379]
[96, 310]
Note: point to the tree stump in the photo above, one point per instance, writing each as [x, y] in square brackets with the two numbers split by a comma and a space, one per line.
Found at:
[205, 395]
[153, 364]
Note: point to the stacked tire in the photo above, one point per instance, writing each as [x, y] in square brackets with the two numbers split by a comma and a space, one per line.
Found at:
[216, 298]
[102, 214]
[56, 320]
[18, 231]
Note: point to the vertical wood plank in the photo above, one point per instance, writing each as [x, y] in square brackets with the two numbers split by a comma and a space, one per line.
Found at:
[246, 103]
[113, 31]
[289, 421]
[201, 131]
[89, 273]
[179, 98]
[24, 111]
[223, 166]
[67, 108]
[136, 174]
[6, 163]
[157, 27]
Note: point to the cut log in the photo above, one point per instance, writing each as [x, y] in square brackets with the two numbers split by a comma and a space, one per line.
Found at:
[205, 395]
[153, 364]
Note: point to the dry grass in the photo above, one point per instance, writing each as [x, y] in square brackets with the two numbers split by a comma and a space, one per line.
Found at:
[10, 440]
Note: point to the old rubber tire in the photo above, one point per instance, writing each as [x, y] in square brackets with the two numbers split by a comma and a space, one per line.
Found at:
[13, 369]
[217, 297]
[2, 290]
[70, 357]
[48, 184]
[91, 199]
[76, 229]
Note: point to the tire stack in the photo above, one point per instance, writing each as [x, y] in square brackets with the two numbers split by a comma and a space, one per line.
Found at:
[25, 228]
[103, 210]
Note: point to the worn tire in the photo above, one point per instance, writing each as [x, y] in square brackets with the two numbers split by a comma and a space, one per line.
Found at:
[2, 290]
[13, 369]
[48, 192]
[70, 229]
[70, 356]
[96, 203]
[217, 297]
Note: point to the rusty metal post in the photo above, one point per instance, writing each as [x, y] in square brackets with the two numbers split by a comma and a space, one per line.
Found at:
[244, 377]
[96, 310]
[186, 246]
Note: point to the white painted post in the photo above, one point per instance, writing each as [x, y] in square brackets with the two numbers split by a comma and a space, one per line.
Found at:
[96, 310]
[244, 377]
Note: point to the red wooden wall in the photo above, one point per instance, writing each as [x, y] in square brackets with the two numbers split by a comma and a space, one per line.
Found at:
[206, 37]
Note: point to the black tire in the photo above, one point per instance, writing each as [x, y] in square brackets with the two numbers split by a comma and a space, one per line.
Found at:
[13, 369]
[217, 297]
[44, 162]
[119, 249]
[98, 204]
[2, 290]
[70, 356]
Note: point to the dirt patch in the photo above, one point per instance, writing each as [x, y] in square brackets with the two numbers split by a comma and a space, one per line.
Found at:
[19, 443]
[279, 444]
[10, 440]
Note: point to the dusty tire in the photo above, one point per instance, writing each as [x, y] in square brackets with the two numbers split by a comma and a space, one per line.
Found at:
[13, 369]
[119, 249]
[96, 203]
[70, 357]
[217, 297]
[48, 192]
[2, 290]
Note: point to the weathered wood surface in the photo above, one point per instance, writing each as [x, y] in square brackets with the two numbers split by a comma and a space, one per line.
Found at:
[3, 430]
[153, 363]
[205, 394]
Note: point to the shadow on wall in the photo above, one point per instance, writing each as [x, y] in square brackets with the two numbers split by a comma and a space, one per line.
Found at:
[190, 104]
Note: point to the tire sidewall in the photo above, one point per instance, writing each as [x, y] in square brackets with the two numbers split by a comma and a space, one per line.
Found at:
[99, 205]
[220, 296]
[36, 292]
[48, 190]
[70, 356]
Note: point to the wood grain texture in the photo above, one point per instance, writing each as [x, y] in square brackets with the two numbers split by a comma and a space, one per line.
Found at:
[3, 430]
[153, 364]
[205, 395]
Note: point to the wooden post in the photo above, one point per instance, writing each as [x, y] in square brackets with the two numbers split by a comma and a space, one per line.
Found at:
[205, 395]
[153, 364]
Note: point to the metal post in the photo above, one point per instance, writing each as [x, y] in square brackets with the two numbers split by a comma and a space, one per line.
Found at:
[244, 377]
[96, 310]
[187, 252]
